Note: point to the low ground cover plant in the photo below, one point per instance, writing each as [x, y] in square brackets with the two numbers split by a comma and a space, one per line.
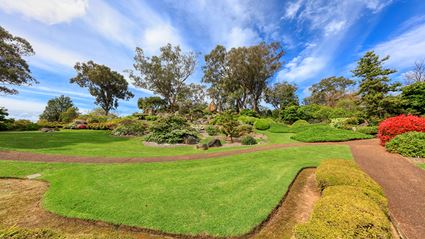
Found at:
[410, 144]
[371, 130]
[280, 128]
[352, 205]
[323, 133]
[248, 140]
[391, 127]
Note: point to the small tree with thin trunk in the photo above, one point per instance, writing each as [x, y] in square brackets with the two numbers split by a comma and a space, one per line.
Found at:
[105, 85]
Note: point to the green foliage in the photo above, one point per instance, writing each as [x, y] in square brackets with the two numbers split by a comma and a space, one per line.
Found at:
[371, 130]
[212, 130]
[247, 119]
[245, 129]
[334, 173]
[171, 129]
[164, 74]
[4, 123]
[47, 124]
[101, 126]
[263, 124]
[248, 140]
[281, 95]
[151, 105]
[249, 113]
[374, 83]
[352, 205]
[106, 85]
[323, 133]
[340, 123]
[229, 126]
[20, 233]
[290, 114]
[69, 115]
[55, 107]
[329, 90]
[410, 144]
[299, 123]
[14, 70]
[130, 128]
[23, 125]
[413, 97]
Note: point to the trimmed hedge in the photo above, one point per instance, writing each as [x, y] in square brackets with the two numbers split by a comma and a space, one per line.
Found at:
[322, 133]
[344, 216]
[280, 128]
[263, 124]
[352, 205]
[247, 119]
[411, 144]
[331, 174]
[300, 123]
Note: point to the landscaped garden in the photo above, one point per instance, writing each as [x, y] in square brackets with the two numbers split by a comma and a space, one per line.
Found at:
[182, 166]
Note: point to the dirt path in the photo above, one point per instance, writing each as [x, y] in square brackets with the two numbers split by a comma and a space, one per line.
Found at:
[403, 183]
[20, 205]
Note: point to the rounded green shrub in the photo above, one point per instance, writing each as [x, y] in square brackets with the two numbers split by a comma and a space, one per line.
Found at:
[212, 130]
[245, 129]
[280, 128]
[262, 124]
[333, 175]
[410, 144]
[300, 122]
[171, 130]
[344, 216]
[132, 128]
[247, 119]
[248, 140]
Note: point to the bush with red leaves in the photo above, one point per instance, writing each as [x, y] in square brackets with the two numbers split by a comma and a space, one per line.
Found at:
[82, 126]
[394, 126]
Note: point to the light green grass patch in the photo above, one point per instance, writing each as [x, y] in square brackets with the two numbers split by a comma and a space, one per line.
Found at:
[225, 196]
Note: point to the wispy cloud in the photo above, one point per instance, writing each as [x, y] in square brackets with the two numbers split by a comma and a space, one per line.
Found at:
[46, 11]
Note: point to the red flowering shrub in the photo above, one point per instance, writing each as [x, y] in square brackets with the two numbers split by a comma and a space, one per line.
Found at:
[394, 126]
[82, 126]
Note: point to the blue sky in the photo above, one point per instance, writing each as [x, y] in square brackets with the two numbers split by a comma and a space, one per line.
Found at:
[321, 38]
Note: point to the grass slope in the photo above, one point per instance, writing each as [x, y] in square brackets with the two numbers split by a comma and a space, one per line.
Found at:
[89, 143]
[222, 197]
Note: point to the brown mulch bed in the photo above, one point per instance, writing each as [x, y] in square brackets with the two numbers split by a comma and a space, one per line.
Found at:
[20, 205]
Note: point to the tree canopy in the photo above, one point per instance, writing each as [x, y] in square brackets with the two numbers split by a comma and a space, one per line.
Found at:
[329, 90]
[164, 74]
[14, 70]
[56, 107]
[282, 95]
[105, 85]
[151, 105]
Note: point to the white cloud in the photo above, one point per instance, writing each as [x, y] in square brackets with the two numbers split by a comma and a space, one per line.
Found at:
[404, 49]
[241, 37]
[157, 36]
[300, 69]
[292, 9]
[46, 11]
[377, 5]
[334, 27]
[22, 109]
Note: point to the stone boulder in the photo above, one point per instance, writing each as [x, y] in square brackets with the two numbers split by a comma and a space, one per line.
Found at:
[214, 143]
[47, 130]
[202, 146]
[190, 140]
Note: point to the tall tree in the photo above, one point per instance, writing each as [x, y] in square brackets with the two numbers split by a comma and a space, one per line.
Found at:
[14, 69]
[417, 74]
[55, 107]
[374, 83]
[413, 97]
[329, 90]
[281, 95]
[105, 85]
[165, 74]
[256, 67]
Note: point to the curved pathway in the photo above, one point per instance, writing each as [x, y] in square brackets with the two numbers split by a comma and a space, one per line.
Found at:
[402, 181]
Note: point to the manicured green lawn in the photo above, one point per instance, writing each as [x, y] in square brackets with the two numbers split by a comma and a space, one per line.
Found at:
[421, 165]
[89, 143]
[223, 196]
[328, 134]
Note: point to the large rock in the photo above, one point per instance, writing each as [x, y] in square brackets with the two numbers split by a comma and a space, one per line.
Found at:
[214, 143]
[191, 140]
[47, 130]
[202, 146]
